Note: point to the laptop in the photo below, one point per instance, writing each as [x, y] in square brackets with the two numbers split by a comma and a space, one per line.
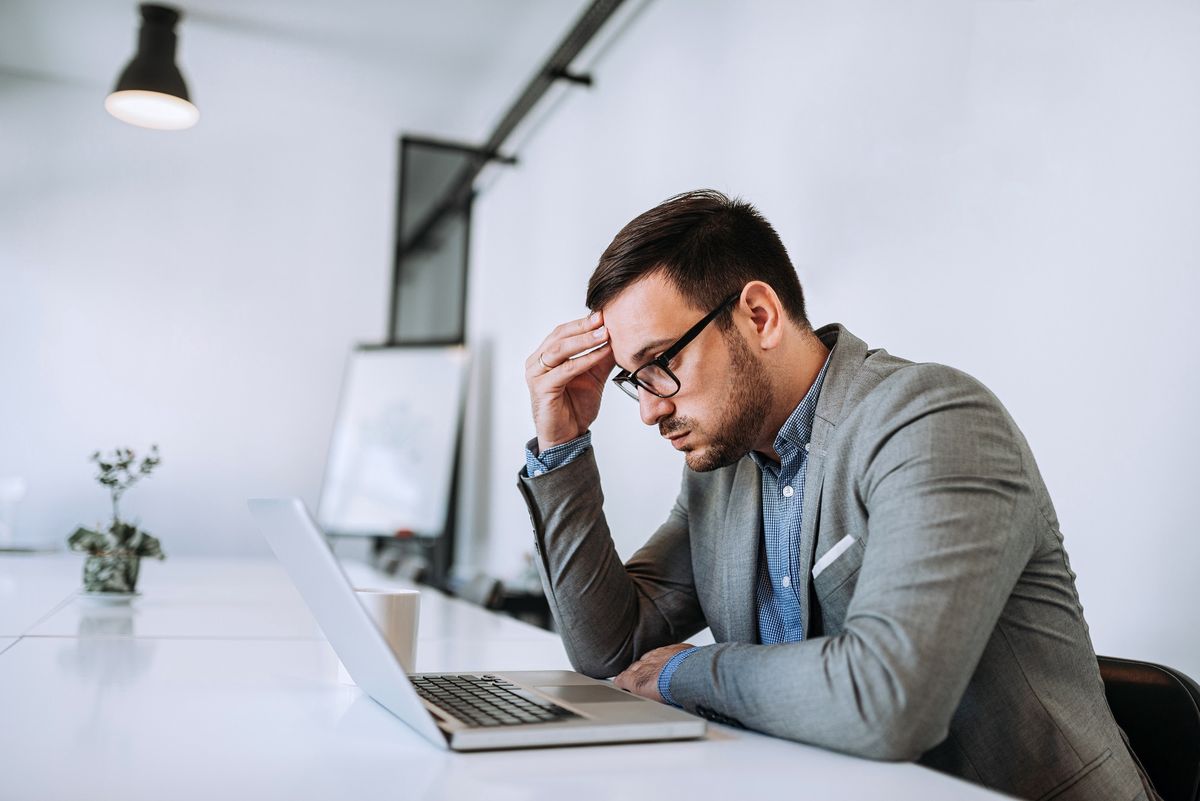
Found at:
[460, 711]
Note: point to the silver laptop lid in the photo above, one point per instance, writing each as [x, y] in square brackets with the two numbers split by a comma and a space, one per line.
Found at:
[300, 546]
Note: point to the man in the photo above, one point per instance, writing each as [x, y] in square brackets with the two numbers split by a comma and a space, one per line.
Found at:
[868, 538]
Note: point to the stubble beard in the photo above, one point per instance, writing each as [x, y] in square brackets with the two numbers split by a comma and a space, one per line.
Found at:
[747, 407]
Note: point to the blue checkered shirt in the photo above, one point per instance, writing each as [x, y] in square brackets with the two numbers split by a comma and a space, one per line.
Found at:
[780, 608]
[779, 604]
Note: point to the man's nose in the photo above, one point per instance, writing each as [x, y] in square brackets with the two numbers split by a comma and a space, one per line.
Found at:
[653, 408]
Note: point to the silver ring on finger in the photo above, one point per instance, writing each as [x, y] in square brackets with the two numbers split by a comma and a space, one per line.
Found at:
[542, 361]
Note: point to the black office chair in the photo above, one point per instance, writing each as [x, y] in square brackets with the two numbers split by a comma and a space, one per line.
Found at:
[1159, 710]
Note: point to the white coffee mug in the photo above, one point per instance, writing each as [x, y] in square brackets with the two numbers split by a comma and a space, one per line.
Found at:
[395, 613]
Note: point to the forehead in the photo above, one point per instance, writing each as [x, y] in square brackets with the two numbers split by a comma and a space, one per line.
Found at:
[649, 311]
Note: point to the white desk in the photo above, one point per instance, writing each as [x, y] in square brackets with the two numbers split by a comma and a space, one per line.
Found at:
[217, 684]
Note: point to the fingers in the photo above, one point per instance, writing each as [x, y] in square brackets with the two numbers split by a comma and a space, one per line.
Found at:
[565, 341]
[604, 367]
[559, 375]
[639, 679]
[628, 679]
[566, 377]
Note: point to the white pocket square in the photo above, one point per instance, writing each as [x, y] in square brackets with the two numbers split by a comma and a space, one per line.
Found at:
[832, 554]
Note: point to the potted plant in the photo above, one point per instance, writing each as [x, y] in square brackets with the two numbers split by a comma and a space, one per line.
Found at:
[115, 554]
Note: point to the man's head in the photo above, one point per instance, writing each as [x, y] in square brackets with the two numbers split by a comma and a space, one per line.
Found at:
[704, 244]
[698, 253]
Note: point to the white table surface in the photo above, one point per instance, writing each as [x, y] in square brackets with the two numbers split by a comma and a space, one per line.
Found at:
[216, 683]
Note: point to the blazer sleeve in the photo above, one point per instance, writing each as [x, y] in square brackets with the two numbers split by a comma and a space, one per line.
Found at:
[944, 490]
[608, 613]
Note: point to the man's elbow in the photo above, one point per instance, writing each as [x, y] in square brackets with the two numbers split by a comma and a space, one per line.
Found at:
[900, 738]
[596, 670]
[595, 666]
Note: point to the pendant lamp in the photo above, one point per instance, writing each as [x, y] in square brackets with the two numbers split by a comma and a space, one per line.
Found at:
[151, 91]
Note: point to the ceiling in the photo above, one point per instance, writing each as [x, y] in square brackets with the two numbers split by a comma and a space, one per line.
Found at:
[449, 64]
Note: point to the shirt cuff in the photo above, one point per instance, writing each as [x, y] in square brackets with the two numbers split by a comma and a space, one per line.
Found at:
[664, 678]
[561, 454]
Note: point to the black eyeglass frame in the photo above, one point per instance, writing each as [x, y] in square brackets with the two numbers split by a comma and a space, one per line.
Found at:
[625, 378]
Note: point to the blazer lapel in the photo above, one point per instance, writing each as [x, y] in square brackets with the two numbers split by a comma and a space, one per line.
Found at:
[814, 479]
[741, 537]
[848, 354]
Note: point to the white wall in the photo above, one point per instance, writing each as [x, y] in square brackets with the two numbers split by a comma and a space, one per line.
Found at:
[202, 289]
[1008, 187]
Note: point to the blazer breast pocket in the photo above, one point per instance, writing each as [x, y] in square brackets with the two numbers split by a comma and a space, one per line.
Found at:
[834, 576]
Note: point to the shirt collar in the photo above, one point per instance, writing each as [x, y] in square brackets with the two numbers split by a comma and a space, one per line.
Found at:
[797, 429]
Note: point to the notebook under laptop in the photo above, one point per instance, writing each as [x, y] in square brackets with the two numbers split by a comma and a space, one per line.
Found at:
[511, 709]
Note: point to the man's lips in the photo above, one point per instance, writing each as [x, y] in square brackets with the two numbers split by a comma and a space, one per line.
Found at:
[677, 438]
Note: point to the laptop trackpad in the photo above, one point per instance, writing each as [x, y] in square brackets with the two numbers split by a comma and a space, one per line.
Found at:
[586, 693]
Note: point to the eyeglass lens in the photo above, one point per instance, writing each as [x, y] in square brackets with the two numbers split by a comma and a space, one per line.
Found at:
[653, 378]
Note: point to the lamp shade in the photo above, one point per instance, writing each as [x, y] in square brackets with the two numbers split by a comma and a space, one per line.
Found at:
[151, 91]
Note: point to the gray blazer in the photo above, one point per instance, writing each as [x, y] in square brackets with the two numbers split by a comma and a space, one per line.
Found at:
[942, 622]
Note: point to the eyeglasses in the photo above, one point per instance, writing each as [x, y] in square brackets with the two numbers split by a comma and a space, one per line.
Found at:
[654, 376]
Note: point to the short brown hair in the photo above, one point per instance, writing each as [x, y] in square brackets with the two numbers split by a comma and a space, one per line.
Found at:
[707, 246]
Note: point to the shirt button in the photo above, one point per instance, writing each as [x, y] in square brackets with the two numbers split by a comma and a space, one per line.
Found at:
[788, 491]
[537, 473]
[787, 581]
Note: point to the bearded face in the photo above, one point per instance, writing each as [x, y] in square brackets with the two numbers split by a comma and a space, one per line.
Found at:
[726, 436]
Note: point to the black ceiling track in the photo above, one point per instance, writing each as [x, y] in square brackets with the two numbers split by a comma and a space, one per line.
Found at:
[556, 68]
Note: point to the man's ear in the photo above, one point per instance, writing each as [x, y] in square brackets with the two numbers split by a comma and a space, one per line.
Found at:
[765, 313]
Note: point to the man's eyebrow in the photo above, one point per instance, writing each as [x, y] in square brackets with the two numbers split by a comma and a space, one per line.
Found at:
[639, 357]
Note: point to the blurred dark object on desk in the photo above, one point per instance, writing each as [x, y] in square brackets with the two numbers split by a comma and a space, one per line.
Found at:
[529, 606]
[408, 559]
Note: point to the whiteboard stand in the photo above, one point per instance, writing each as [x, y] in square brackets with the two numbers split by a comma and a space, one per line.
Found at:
[395, 453]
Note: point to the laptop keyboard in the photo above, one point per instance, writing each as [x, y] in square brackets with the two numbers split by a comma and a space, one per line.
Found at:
[487, 700]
